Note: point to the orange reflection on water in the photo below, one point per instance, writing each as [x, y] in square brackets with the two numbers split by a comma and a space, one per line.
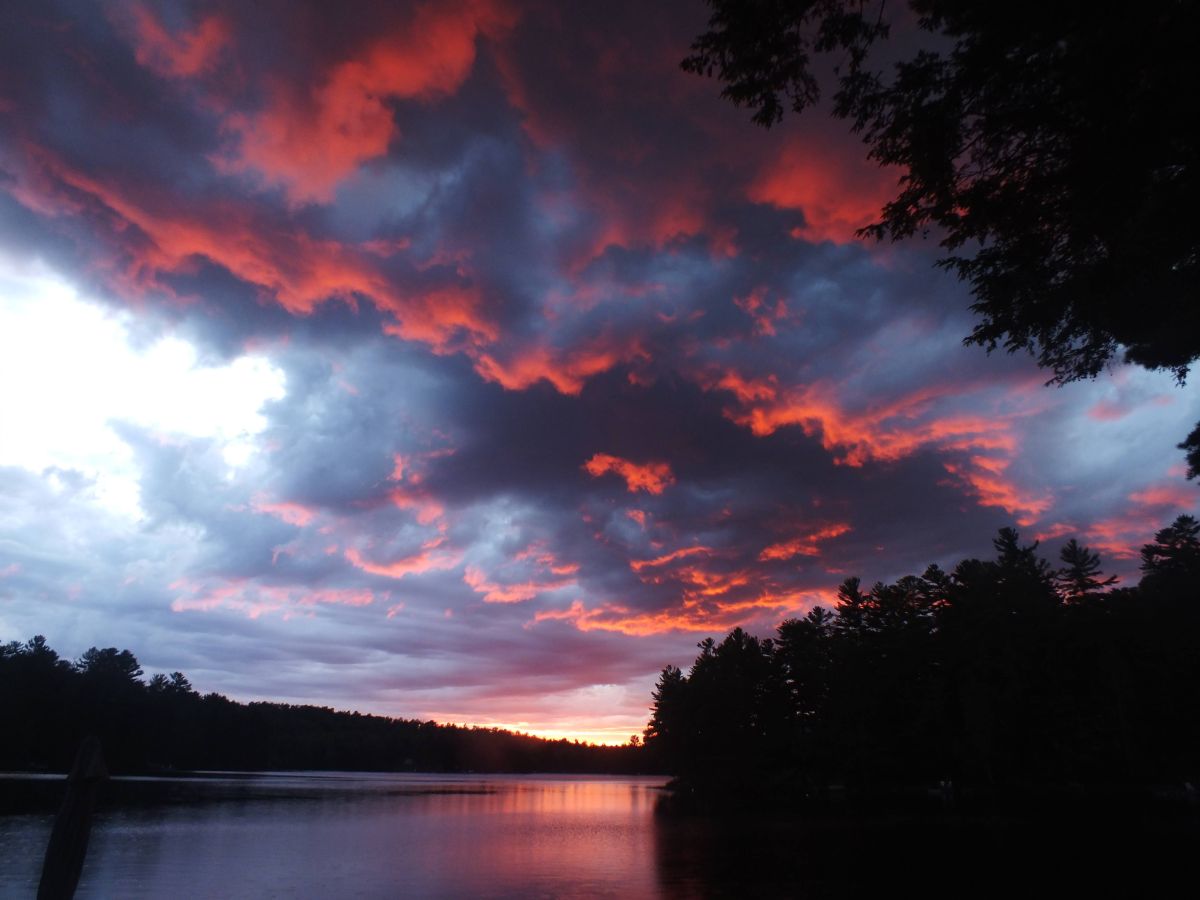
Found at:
[584, 832]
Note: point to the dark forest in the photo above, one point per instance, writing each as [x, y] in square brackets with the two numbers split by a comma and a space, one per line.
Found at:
[1001, 677]
[161, 724]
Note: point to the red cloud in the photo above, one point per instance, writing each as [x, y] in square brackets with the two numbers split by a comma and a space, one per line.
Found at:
[181, 55]
[764, 313]
[294, 269]
[652, 477]
[310, 139]
[566, 370]
[837, 191]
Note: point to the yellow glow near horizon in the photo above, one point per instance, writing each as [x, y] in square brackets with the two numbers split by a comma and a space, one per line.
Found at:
[613, 736]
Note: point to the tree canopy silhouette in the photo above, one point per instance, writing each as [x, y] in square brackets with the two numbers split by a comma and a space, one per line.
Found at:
[1047, 146]
[48, 705]
[999, 675]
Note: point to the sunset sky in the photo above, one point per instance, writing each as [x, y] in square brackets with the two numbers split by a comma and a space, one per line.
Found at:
[469, 361]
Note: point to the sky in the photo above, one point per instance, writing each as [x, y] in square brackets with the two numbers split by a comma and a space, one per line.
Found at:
[468, 361]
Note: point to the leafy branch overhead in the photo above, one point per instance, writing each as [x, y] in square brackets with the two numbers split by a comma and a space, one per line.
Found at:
[1047, 146]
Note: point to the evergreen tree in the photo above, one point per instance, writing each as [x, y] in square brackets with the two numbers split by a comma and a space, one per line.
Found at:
[1175, 551]
[1081, 575]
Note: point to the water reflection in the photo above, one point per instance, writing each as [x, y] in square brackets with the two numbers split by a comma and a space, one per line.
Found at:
[324, 835]
[338, 836]
[931, 856]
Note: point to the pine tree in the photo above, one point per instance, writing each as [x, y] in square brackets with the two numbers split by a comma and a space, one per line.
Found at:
[1081, 575]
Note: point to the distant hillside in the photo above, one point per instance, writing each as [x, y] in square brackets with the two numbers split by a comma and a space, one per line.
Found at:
[49, 704]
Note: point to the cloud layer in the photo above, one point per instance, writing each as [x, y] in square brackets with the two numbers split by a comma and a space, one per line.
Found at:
[509, 361]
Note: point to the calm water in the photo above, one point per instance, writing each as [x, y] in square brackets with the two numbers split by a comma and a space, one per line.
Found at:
[348, 835]
[421, 836]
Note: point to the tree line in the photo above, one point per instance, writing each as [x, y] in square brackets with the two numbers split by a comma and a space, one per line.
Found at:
[997, 675]
[49, 704]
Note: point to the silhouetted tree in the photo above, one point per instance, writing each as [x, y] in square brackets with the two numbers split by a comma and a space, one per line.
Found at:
[1080, 576]
[47, 706]
[993, 675]
[1175, 551]
[1191, 445]
[668, 714]
[109, 663]
[1047, 145]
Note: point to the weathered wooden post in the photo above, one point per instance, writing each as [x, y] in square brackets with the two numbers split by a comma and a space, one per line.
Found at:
[69, 839]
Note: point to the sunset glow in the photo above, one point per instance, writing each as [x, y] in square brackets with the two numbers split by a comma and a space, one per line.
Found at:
[468, 361]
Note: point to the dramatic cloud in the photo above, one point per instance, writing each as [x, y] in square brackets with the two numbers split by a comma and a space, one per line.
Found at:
[651, 477]
[467, 360]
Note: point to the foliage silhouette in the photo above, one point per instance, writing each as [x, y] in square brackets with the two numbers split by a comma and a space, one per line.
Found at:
[48, 705]
[1080, 577]
[998, 675]
[1046, 145]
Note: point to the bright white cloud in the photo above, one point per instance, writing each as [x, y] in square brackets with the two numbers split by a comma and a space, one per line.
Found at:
[70, 370]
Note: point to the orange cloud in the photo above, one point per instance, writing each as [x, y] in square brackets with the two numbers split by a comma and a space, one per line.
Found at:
[566, 370]
[409, 492]
[254, 600]
[639, 564]
[984, 476]
[651, 477]
[427, 509]
[806, 544]
[527, 586]
[1122, 535]
[704, 582]
[888, 431]
[691, 615]
[538, 553]
[429, 559]
[494, 592]
[309, 140]
[292, 268]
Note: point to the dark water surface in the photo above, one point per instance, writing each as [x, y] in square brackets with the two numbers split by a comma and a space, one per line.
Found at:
[444, 836]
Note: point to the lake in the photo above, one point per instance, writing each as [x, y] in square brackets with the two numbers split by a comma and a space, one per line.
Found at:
[460, 836]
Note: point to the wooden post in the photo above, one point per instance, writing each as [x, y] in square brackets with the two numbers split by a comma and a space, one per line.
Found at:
[69, 839]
